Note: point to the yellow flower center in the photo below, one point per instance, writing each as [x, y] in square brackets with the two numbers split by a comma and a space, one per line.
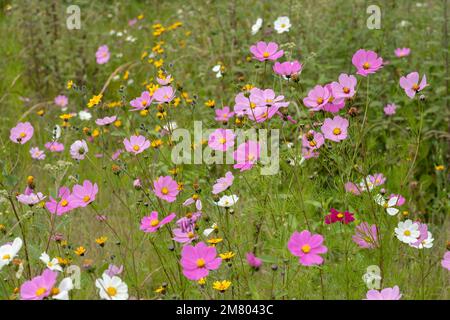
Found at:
[111, 291]
[64, 203]
[190, 235]
[346, 90]
[252, 105]
[337, 131]
[86, 198]
[366, 65]
[225, 115]
[39, 292]
[222, 140]
[340, 215]
[266, 54]
[23, 134]
[250, 157]
[415, 87]
[201, 263]
[136, 147]
[306, 248]
[407, 233]
[154, 222]
[164, 190]
[319, 100]
[312, 143]
[386, 205]
[6, 257]
[55, 291]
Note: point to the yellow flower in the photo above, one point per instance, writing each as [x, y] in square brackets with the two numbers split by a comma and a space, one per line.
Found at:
[80, 251]
[63, 261]
[160, 290]
[180, 186]
[156, 143]
[143, 112]
[30, 180]
[158, 63]
[40, 112]
[439, 168]
[202, 281]
[143, 55]
[215, 241]
[247, 87]
[2, 227]
[151, 88]
[210, 103]
[221, 286]
[117, 123]
[64, 243]
[65, 118]
[161, 115]
[95, 133]
[227, 255]
[140, 17]
[174, 171]
[176, 101]
[69, 84]
[126, 75]
[95, 100]
[101, 241]
[405, 213]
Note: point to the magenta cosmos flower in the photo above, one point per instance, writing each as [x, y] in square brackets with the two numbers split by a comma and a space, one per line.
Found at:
[335, 129]
[307, 247]
[54, 146]
[266, 51]
[198, 260]
[39, 287]
[253, 261]
[221, 139]
[21, 133]
[151, 223]
[287, 69]
[411, 84]
[136, 144]
[37, 154]
[102, 55]
[345, 88]
[223, 183]
[166, 188]
[366, 62]
[390, 109]
[61, 101]
[366, 236]
[402, 52]
[333, 104]
[246, 155]
[141, 102]
[65, 204]
[164, 94]
[224, 115]
[313, 139]
[105, 121]
[336, 216]
[84, 194]
[446, 260]
[385, 294]
[317, 98]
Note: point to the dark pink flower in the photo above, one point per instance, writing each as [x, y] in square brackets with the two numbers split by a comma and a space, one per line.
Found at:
[402, 52]
[366, 62]
[224, 115]
[253, 261]
[336, 216]
[307, 247]
[166, 188]
[198, 260]
[266, 51]
[151, 223]
[65, 204]
[287, 69]
[85, 194]
[246, 155]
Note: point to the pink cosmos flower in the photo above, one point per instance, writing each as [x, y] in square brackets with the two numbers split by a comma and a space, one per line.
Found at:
[31, 198]
[21, 133]
[137, 183]
[164, 81]
[313, 140]
[352, 188]
[223, 183]
[64, 205]
[37, 154]
[39, 287]
[335, 129]
[309, 153]
[446, 261]
[385, 294]
[307, 247]
[266, 51]
[61, 101]
[166, 188]
[106, 121]
[400, 199]
[54, 146]
[411, 84]
[221, 139]
[246, 155]
[141, 102]
[377, 179]
[389, 109]
[336, 216]
[78, 150]
[243, 104]
[152, 224]
[317, 98]
[164, 94]
[189, 220]
[345, 88]
[423, 237]
[224, 115]
[114, 270]
[136, 144]
[194, 199]
[402, 52]
[253, 261]
[102, 55]
[265, 104]
[287, 69]
[366, 236]
[366, 62]
[85, 194]
[333, 104]
[198, 260]
[116, 154]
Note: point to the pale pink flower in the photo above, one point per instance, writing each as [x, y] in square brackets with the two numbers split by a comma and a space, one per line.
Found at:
[411, 84]
[224, 115]
[102, 55]
[223, 183]
[345, 88]
[402, 52]
[266, 51]
[21, 133]
[317, 98]
[136, 144]
[246, 155]
[385, 294]
[221, 139]
[164, 94]
[335, 129]
[106, 121]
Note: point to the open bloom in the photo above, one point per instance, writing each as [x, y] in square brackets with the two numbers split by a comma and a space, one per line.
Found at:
[389, 109]
[287, 69]
[37, 154]
[389, 204]
[224, 115]
[223, 183]
[257, 26]
[307, 247]
[151, 223]
[114, 270]
[30, 199]
[366, 62]
[78, 149]
[164, 94]
[445, 262]
[136, 144]
[61, 101]
[385, 294]
[407, 231]
[106, 121]
[402, 52]
[166, 188]
[266, 51]
[141, 102]
[333, 104]
[102, 55]
[313, 139]
[64, 205]
[335, 129]
[198, 260]
[411, 84]
[62, 291]
[9, 251]
[112, 288]
[54, 146]
[85, 194]
[253, 261]
[345, 88]
[336, 216]
[39, 287]
[185, 234]
[317, 98]
[227, 201]
[221, 139]
[425, 239]
[246, 155]
[366, 236]
[21, 133]
[52, 264]
[282, 24]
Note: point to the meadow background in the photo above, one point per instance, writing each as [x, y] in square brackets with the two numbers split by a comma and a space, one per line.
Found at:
[39, 55]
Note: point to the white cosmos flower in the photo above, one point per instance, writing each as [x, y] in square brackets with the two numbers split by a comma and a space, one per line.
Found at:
[112, 288]
[407, 231]
[217, 69]
[84, 115]
[388, 205]
[257, 26]
[63, 289]
[208, 231]
[227, 201]
[9, 251]
[282, 24]
[52, 264]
